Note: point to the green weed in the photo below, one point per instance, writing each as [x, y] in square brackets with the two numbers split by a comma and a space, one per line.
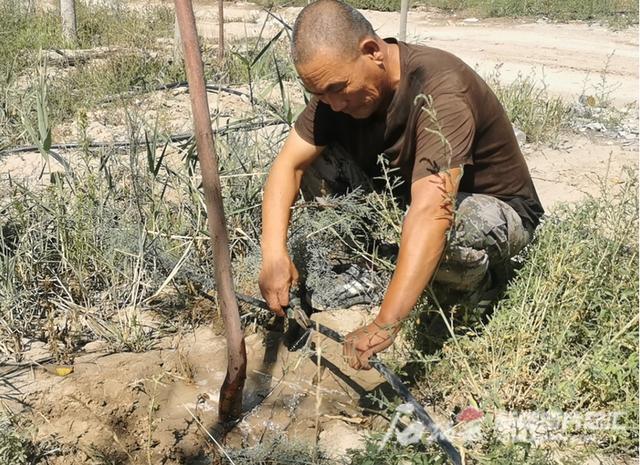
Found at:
[425, 452]
[530, 107]
[86, 86]
[618, 12]
[278, 452]
[132, 59]
[14, 448]
[564, 338]
[116, 24]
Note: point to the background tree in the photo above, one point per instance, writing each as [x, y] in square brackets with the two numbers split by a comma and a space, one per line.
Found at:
[68, 16]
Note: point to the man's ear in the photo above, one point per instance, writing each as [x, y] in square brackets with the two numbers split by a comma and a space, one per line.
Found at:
[371, 48]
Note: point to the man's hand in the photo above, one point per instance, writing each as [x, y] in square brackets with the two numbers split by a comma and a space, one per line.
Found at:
[276, 278]
[360, 345]
[278, 272]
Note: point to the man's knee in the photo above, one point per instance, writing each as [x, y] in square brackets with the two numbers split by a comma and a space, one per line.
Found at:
[462, 268]
[486, 234]
[483, 222]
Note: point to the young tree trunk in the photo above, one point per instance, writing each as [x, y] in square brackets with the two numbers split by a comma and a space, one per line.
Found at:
[404, 10]
[220, 30]
[230, 403]
[68, 16]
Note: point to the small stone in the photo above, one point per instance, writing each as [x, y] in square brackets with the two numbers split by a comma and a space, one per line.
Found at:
[96, 346]
[595, 126]
[337, 437]
[471, 20]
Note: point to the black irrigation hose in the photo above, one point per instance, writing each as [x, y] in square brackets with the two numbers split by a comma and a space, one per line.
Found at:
[394, 381]
[171, 138]
[180, 84]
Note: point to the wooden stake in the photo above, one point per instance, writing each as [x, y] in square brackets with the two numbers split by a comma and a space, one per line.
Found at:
[230, 404]
[220, 29]
[404, 10]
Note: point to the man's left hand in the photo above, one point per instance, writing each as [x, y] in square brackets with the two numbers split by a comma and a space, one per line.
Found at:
[363, 343]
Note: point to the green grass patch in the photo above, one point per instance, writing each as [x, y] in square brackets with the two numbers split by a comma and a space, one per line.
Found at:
[565, 337]
[84, 87]
[100, 25]
[137, 61]
[530, 107]
[24, 33]
[426, 453]
[15, 448]
[616, 11]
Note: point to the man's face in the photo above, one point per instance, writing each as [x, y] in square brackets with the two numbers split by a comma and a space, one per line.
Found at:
[351, 86]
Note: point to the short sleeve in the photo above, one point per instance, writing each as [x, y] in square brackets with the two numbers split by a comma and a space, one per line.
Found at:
[444, 132]
[315, 122]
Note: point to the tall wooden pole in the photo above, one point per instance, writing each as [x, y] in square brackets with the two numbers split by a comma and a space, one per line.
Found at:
[404, 11]
[220, 29]
[230, 404]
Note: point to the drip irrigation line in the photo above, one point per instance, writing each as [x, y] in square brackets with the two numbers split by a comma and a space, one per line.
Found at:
[171, 138]
[394, 381]
[180, 84]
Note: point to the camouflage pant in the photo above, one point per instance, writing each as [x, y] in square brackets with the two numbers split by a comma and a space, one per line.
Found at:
[487, 232]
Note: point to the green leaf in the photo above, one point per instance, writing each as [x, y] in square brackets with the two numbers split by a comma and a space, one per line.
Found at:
[46, 144]
[150, 152]
[267, 47]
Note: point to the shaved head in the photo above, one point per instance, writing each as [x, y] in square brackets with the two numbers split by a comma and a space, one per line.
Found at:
[330, 26]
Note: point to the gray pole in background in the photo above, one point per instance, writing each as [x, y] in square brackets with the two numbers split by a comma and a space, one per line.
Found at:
[220, 29]
[68, 16]
[177, 42]
[404, 10]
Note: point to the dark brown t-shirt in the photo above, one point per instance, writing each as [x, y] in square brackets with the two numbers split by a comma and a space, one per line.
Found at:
[442, 115]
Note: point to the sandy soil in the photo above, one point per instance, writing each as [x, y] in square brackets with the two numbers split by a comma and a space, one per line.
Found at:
[159, 404]
[135, 408]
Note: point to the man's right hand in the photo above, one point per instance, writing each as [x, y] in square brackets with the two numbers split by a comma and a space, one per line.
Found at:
[283, 183]
[276, 278]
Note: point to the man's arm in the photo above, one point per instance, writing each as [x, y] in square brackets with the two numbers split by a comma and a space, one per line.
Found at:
[422, 243]
[283, 183]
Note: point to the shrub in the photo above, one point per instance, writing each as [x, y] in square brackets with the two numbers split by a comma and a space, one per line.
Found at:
[565, 336]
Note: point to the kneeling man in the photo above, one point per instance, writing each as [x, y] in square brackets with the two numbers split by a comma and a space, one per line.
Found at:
[472, 201]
